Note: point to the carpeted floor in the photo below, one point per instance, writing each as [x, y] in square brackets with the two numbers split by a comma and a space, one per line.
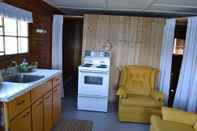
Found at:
[101, 121]
[74, 125]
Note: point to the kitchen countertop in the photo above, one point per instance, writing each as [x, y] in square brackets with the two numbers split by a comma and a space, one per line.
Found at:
[10, 90]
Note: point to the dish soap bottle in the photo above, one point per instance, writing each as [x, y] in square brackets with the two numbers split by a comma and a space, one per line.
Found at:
[24, 66]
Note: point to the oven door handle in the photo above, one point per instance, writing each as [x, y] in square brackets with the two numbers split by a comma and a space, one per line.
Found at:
[88, 71]
[92, 96]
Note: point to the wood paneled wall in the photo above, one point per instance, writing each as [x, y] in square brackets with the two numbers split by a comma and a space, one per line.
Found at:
[72, 45]
[131, 40]
[39, 44]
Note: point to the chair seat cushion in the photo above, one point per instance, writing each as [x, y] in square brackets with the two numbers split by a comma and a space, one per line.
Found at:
[140, 100]
[163, 125]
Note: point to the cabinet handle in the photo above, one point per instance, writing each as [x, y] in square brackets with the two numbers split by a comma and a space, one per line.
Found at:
[39, 103]
[57, 79]
[57, 85]
[23, 101]
[48, 97]
[55, 90]
[25, 115]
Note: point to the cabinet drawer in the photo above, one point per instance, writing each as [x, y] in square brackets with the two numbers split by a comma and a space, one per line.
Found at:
[18, 105]
[92, 104]
[22, 122]
[41, 90]
[57, 80]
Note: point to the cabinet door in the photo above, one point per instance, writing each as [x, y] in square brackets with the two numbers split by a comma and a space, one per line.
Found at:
[37, 115]
[56, 104]
[48, 111]
[22, 122]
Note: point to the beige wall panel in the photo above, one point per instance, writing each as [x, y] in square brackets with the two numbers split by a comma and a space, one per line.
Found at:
[133, 40]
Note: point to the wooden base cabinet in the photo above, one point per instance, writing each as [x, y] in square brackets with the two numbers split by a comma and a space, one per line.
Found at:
[37, 115]
[22, 122]
[37, 110]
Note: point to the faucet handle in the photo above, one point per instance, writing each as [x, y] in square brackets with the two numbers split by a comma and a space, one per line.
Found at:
[14, 63]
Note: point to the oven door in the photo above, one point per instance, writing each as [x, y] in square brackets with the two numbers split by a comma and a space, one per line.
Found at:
[93, 83]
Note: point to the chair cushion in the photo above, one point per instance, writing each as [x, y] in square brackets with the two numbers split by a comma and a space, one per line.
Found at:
[162, 125]
[138, 80]
[138, 90]
[140, 100]
[175, 115]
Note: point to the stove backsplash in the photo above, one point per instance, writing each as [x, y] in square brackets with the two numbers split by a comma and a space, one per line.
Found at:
[97, 53]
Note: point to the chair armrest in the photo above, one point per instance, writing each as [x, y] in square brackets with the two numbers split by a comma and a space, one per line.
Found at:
[157, 95]
[195, 126]
[155, 119]
[121, 92]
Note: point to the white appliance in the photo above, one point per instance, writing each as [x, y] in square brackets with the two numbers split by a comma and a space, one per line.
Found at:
[93, 82]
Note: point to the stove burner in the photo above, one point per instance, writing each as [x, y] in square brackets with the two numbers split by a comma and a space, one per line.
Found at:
[87, 65]
[102, 66]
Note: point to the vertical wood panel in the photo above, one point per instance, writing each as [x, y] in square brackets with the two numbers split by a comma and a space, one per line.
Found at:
[134, 40]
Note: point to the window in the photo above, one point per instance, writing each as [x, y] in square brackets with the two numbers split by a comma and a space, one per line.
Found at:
[178, 46]
[13, 36]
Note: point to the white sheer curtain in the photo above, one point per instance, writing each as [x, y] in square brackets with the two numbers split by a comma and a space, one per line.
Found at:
[186, 97]
[166, 57]
[14, 12]
[57, 35]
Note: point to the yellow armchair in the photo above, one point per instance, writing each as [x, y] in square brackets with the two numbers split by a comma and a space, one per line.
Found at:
[174, 120]
[138, 99]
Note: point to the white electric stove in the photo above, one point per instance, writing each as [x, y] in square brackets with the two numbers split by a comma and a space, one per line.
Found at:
[93, 82]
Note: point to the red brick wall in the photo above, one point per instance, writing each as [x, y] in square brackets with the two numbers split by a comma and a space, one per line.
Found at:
[39, 44]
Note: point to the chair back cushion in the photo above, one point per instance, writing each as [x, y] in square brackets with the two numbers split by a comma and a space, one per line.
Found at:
[139, 80]
[176, 115]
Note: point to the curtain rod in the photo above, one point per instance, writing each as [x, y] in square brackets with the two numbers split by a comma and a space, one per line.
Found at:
[182, 18]
[73, 16]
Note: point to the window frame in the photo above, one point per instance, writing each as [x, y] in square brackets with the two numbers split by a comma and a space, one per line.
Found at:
[175, 51]
[17, 38]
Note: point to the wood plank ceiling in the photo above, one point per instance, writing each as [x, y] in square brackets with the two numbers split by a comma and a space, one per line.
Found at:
[175, 7]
